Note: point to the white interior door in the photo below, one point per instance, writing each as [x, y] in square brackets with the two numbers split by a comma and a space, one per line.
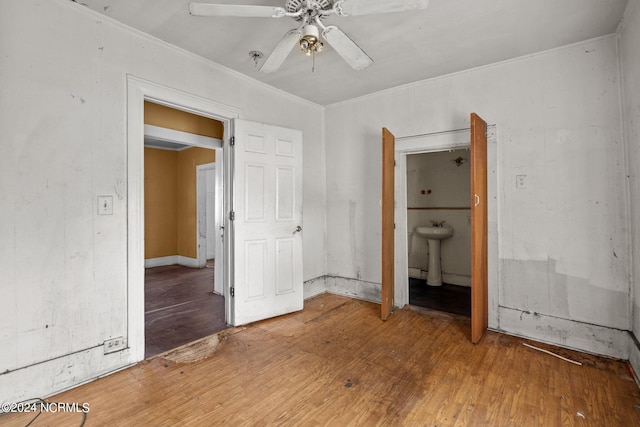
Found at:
[267, 226]
[206, 212]
[210, 202]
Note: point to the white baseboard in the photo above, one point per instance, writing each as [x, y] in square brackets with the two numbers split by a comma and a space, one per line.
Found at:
[452, 279]
[160, 262]
[189, 262]
[456, 279]
[71, 370]
[314, 287]
[354, 288]
[171, 260]
[565, 333]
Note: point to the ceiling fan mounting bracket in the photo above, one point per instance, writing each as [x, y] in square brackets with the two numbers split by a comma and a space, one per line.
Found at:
[309, 9]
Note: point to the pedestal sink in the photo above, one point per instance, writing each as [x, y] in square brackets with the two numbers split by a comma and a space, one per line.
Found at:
[434, 234]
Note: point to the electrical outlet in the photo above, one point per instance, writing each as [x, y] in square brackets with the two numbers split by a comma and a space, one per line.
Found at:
[113, 345]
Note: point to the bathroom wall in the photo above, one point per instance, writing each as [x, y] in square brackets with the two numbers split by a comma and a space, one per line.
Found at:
[630, 60]
[63, 127]
[435, 185]
[562, 272]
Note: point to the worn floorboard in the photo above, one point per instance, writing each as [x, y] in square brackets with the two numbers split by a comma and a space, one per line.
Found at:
[180, 306]
[337, 364]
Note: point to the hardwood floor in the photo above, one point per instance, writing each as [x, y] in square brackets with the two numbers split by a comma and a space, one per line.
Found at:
[336, 363]
[180, 307]
[447, 298]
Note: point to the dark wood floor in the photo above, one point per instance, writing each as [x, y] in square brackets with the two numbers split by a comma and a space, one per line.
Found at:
[447, 298]
[180, 307]
[337, 364]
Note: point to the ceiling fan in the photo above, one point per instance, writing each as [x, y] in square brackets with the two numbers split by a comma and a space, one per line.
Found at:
[311, 31]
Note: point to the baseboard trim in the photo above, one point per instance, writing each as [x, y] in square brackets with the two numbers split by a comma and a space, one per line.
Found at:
[450, 278]
[566, 333]
[456, 279]
[314, 287]
[352, 288]
[360, 289]
[75, 369]
[171, 260]
[189, 262]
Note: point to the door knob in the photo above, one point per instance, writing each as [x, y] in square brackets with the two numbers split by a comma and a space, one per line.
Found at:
[298, 229]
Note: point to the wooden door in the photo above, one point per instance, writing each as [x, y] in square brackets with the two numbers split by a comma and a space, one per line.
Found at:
[479, 229]
[388, 188]
[267, 211]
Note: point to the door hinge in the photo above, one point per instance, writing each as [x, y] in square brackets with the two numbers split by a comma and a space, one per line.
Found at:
[232, 291]
[232, 216]
[232, 141]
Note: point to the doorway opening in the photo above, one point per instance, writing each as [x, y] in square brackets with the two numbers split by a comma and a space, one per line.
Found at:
[182, 228]
[139, 91]
[439, 230]
[484, 248]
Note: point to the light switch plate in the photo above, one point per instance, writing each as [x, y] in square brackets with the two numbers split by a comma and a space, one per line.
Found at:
[521, 181]
[105, 205]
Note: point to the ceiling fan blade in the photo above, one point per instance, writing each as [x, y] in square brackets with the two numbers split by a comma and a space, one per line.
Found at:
[207, 9]
[281, 51]
[346, 47]
[368, 7]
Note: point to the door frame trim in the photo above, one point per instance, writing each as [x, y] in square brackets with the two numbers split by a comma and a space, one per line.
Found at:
[434, 142]
[138, 91]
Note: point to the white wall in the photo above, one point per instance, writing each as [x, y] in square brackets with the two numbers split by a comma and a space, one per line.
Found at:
[630, 60]
[435, 180]
[563, 241]
[63, 131]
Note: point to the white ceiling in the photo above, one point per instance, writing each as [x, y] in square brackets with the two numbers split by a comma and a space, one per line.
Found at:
[449, 36]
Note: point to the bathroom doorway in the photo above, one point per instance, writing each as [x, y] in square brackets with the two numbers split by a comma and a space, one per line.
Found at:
[439, 230]
[481, 139]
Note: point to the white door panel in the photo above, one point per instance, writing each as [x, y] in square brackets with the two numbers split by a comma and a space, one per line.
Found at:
[268, 218]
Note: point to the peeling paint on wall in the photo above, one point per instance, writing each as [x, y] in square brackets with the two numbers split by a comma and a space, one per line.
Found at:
[537, 286]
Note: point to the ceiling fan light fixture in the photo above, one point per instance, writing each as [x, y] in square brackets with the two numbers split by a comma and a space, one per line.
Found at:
[310, 40]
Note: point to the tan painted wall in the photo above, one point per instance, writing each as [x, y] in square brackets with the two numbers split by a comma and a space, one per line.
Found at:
[159, 115]
[186, 201]
[170, 207]
[160, 203]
